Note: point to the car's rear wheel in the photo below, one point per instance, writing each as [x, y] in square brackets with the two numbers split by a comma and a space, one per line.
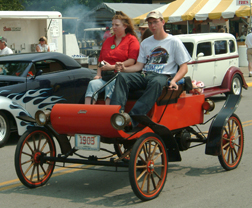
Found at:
[232, 143]
[236, 85]
[4, 129]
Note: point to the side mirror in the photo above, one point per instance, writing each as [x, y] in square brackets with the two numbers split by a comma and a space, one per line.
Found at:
[39, 72]
[201, 54]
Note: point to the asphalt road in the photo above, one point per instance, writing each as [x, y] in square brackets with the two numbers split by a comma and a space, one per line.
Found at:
[197, 181]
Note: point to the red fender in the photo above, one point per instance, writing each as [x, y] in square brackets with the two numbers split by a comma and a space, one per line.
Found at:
[226, 83]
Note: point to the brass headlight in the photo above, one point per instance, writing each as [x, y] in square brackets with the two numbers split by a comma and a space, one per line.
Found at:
[42, 117]
[120, 120]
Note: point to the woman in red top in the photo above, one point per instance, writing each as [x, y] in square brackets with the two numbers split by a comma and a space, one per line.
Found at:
[123, 46]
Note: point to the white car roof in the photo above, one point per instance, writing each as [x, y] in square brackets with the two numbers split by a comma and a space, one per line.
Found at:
[196, 37]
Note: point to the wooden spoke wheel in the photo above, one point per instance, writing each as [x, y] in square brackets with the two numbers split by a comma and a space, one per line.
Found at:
[232, 143]
[148, 166]
[31, 171]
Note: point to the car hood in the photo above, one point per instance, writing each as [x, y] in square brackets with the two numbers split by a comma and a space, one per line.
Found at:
[10, 80]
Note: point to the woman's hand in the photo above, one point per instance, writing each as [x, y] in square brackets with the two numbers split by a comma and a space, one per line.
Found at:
[97, 77]
[107, 66]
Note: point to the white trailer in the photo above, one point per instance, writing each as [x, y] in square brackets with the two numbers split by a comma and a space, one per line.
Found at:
[24, 28]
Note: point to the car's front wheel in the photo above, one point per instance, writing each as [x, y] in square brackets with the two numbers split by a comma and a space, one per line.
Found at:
[236, 85]
[31, 147]
[4, 129]
[148, 166]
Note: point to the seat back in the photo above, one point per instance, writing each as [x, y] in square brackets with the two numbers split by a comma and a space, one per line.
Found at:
[170, 96]
[55, 66]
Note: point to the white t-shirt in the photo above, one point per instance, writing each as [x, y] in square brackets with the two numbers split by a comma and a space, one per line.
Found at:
[248, 40]
[163, 56]
[6, 51]
[43, 48]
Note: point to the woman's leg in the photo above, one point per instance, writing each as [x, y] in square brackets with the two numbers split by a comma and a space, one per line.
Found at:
[93, 86]
[109, 89]
[88, 100]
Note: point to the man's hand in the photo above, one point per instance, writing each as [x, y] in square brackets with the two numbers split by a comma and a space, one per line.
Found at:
[179, 75]
[173, 85]
[119, 66]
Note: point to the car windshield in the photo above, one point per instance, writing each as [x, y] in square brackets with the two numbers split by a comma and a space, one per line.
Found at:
[13, 68]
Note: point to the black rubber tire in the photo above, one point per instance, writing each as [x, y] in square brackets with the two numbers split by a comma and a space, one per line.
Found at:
[4, 129]
[236, 85]
[34, 142]
[148, 166]
[232, 143]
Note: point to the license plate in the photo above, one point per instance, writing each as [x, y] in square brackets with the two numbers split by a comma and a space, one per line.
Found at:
[87, 142]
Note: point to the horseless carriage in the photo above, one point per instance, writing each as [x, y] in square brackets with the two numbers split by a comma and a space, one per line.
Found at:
[170, 127]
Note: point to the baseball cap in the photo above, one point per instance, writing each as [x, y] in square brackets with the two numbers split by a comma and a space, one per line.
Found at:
[154, 14]
[143, 24]
[2, 39]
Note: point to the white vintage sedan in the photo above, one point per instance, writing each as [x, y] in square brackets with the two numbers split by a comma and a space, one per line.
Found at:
[215, 62]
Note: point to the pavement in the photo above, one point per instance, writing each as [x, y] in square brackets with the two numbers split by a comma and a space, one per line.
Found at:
[245, 72]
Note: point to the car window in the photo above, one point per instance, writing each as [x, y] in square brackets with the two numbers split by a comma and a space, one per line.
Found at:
[189, 47]
[204, 48]
[220, 47]
[231, 46]
[49, 66]
[13, 68]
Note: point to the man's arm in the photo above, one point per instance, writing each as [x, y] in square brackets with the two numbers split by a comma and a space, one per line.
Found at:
[134, 68]
[108, 67]
[179, 75]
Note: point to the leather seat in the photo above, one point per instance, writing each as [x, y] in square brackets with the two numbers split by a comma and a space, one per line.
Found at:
[55, 66]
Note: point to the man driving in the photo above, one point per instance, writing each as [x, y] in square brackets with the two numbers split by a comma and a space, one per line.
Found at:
[159, 58]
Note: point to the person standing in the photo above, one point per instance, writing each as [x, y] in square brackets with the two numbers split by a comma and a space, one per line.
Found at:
[143, 27]
[3, 46]
[42, 46]
[159, 58]
[123, 46]
[222, 30]
[248, 43]
[147, 33]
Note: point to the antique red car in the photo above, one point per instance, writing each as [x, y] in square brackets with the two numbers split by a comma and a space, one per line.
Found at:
[146, 151]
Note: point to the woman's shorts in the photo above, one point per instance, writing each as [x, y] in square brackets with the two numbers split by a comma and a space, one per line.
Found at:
[96, 84]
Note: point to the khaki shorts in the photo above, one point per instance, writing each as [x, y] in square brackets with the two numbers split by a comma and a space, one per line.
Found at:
[249, 54]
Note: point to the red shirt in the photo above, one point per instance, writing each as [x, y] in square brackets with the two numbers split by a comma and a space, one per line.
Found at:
[128, 48]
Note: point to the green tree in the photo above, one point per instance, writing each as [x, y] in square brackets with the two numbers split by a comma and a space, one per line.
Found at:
[11, 5]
